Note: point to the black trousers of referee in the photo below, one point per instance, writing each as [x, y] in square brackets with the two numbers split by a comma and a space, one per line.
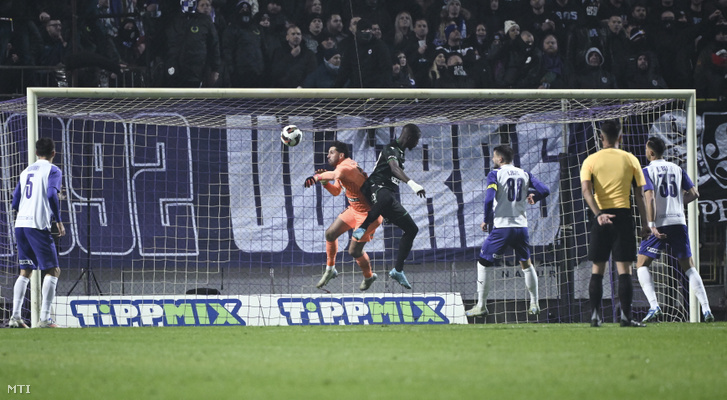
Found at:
[383, 202]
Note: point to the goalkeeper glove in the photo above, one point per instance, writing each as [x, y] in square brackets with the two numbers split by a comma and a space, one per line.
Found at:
[310, 181]
[417, 188]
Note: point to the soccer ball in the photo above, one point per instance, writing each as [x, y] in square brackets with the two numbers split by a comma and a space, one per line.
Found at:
[291, 135]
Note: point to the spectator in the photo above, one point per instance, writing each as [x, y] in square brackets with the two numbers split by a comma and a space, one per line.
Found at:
[189, 56]
[292, 63]
[54, 45]
[403, 30]
[455, 75]
[205, 7]
[278, 19]
[522, 64]
[334, 26]
[610, 8]
[242, 49]
[638, 17]
[325, 42]
[617, 49]
[314, 30]
[710, 72]
[537, 20]
[368, 63]
[594, 76]
[696, 12]
[454, 45]
[554, 68]
[568, 14]
[402, 76]
[311, 8]
[324, 76]
[376, 30]
[587, 34]
[419, 51]
[376, 12]
[452, 13]
[437, 69]
[644, 76]
[493, 16]
[479, 41]
[670, 43]
[131, 45]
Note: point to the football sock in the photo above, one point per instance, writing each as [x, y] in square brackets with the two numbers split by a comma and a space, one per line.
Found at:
[481, 285]
[595, 292]
[21, 285]
[331, 250]
[625, 295]
[531, 281]
[49, 292]
[411, 230]
[365, 265]
[647, 285]
[695, 281]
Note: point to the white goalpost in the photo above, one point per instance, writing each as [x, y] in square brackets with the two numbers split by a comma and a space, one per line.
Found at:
[184, 208]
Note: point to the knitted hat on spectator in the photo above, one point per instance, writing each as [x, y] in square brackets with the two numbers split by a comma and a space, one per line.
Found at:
[330, 53]
[449, 29]
[315, 16]
[509, 24]
[363, 24]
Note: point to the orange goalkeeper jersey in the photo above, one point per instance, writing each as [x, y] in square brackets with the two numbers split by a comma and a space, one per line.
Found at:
[348, 175]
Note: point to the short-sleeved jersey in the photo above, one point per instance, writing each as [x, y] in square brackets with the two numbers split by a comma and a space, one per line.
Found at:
[611, 171]
[348, 175]
[382, 174]
[668, 181]
[31, 195]
[511, 185]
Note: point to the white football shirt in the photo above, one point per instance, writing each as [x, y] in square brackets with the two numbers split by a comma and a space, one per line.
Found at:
[34, 209]
[668, 181]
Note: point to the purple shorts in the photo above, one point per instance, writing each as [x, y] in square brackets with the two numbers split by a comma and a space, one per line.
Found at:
[500, 238]
[36, 249]
[676, 237]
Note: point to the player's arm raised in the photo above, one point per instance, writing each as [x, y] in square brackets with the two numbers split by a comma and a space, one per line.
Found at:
[328, 179]
[399, 174]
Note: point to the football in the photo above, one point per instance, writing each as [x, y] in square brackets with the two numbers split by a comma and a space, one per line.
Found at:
[291, 135]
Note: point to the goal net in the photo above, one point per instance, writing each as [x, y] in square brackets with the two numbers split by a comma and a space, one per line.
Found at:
[184, 208]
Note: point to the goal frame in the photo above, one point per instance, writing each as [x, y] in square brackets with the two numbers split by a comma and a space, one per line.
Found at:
[686, 95]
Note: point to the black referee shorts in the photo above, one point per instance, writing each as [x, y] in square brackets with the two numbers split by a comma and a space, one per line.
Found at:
[616, 240]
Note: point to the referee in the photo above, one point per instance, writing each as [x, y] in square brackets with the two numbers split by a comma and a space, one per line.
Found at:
[606, 180]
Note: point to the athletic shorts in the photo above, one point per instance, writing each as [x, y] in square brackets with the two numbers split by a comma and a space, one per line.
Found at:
[676, 237]
[384, 202]
[616, 240]
[36, 249]
[354, 219]
[494, 247]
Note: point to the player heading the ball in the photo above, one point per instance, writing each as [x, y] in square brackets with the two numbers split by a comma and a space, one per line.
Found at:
[381, 190]
[509, 188]
[349, 176]
[668, 188]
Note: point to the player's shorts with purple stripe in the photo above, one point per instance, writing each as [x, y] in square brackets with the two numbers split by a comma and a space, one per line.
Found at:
[500, 238]
[676, 237]
[36, 249]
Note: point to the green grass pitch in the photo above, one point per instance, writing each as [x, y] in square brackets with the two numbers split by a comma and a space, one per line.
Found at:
[528, 361]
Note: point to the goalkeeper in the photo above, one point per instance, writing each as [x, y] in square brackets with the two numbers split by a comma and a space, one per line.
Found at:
[347, 174]
[381, 190]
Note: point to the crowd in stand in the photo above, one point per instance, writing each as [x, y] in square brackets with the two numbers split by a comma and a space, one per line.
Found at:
[581, 44]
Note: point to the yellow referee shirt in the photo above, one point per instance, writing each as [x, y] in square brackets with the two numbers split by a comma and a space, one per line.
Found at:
[611, 171]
